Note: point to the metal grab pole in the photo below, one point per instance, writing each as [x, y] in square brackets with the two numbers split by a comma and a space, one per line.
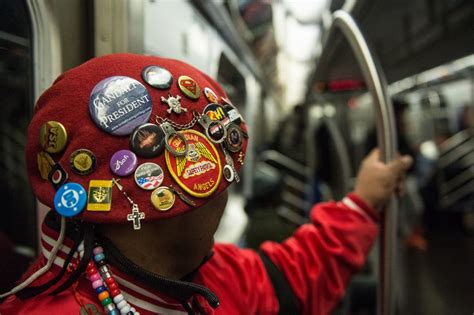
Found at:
[387, 142]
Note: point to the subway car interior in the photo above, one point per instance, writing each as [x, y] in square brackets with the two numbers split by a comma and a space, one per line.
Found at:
[320, 84]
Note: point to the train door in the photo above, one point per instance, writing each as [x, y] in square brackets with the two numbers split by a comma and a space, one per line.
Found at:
[18, 211]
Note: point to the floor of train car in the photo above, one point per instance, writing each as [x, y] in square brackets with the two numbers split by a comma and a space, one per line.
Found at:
[441, 279]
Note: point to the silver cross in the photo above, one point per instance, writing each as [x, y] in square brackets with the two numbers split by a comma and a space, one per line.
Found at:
[136, 216]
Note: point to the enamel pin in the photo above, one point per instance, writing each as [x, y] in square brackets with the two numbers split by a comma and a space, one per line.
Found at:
[174, 103]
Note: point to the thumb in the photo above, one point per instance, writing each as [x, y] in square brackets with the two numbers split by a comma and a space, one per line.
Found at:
[374, 155]
[401, 164]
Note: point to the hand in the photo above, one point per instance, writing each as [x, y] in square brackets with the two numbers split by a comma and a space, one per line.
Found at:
[377, 181]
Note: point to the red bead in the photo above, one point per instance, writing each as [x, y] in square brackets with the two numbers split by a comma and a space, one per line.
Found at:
[110, 280]
[89, 274]
[90, 265]
[112, 285]
[114, 292]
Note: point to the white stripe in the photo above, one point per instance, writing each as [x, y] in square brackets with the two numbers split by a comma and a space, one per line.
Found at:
[150, 307]
[144, 292]
[353, 206]
[137, 302]
[125, 283]
[58, 260]
[65, 249]
[52, 242]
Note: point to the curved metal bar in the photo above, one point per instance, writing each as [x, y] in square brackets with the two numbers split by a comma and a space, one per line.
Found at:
[387, 142]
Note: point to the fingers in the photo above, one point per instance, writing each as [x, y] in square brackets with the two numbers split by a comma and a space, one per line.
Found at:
[400, 164]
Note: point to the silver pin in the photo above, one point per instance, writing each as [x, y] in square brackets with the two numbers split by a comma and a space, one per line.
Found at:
[230, 163]
[174, 104]
[171, 132]
[212, 128]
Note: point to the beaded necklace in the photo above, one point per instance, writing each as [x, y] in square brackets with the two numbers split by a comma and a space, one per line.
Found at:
[106, 286]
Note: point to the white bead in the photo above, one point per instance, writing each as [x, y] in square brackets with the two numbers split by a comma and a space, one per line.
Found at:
[133, 310]
[81, 247]
[121, 305]
[125, 309]
[119, 298]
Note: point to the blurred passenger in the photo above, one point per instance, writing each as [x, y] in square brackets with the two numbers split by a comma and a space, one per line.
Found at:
[151, 249]
[411, 203]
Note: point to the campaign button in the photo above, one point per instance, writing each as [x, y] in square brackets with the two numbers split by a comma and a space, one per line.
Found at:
[53, 137]
[118, 104]
[149, 176]
[123, 162]
[70, 199]
[189, 87]
[82, 161]
[163, 198]
[148, 140]
[157, 77]
[210, 95]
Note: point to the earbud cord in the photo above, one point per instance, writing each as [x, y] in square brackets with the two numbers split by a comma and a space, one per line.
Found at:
[46, 267]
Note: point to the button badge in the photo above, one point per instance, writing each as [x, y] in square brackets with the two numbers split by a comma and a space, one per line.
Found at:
[234, 139]
[189, 87]
[45, 164]
[210, 95]
[82, 161]
[53, 137]
[148, 140]
[163, 198]
[216, 112]
[157, 77]
[118, 104]
[123, 162]
[70, 199]
[57, 176]
[149, 176]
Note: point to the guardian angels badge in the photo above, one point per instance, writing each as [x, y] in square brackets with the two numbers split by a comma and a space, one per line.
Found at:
[199, 172]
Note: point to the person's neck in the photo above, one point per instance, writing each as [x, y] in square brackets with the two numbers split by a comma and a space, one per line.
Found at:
[160, 248]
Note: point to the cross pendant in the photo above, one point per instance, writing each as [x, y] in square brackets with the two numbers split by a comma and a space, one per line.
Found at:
[136, 216]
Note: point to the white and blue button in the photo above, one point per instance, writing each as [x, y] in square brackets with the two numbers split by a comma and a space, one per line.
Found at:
[70, 199]
[118, 104]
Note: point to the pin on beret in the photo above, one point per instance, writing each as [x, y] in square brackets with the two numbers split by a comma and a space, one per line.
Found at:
[127, 137]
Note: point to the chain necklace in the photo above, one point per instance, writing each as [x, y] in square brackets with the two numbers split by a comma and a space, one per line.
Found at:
[196, 116]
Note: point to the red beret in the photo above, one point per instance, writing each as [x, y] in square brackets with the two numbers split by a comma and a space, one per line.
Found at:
[163, 111]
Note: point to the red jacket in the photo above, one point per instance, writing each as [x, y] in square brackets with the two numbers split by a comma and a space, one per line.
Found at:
[318, 261]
